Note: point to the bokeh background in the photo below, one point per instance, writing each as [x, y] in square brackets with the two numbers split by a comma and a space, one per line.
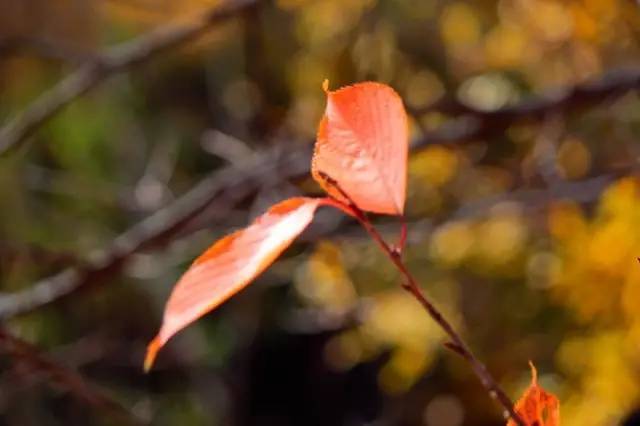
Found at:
[523, 214]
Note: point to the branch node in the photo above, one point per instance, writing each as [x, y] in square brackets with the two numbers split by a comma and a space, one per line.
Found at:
[454, 347]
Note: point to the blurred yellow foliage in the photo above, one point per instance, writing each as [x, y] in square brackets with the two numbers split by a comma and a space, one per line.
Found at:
[404, 368]
[429, 172]
[435, 166]
[320, 22]
[501, 239]
[599, 280]
[423, 87]
[549, 20]
[322, 281]
[459, 25]
[393, 321]
[567, 224]
[452, 243]
[585, 26]
[396, 322]
[574, 159]
[603, 374]
[506, 46]
[492, 245]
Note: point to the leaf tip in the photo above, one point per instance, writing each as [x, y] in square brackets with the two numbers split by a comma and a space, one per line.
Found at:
[152, 351]
[534, 373]
[537, 406]
[325, 85]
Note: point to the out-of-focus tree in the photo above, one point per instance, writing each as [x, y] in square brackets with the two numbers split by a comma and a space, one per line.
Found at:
[523, 227]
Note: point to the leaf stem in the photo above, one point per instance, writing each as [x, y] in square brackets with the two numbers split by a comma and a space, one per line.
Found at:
[457, 344]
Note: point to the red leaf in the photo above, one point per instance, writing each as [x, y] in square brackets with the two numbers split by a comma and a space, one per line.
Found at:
[230, 264]
[537, 407]
[363, 143]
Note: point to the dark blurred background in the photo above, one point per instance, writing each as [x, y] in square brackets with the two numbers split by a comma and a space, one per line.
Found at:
[523, 212]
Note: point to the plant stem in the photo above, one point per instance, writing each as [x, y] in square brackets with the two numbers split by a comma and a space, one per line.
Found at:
[457, 344]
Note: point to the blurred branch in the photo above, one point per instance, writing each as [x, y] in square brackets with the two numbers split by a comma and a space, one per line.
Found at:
[70, 380]
[116, 59]
[222, 190]
[471, 123]
[584, 191]
[545, 148]
[232, 183]
[219, 193]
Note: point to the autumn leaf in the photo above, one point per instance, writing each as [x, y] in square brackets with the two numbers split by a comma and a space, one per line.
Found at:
[362, 144]
[232, 263]
[537, 407]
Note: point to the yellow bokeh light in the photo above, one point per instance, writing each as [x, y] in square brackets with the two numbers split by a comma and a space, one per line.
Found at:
[323, 280]
[487, 91]
[343, 351]
[459, 25]
[435, 165]
[501, 238]
[452, 243]
[574, 158]
[507, 46]
[422, 88]
[566, 222]
[403, 369]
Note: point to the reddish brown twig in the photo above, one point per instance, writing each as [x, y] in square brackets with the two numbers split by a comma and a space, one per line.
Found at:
[402, 241]
[456, 344]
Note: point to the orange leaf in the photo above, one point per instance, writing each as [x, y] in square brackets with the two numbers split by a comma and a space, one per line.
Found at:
[537, 407]
[363, 143]
[230, 264]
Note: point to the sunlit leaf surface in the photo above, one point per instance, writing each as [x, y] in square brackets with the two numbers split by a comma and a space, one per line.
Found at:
[362, 143]
[230, 264]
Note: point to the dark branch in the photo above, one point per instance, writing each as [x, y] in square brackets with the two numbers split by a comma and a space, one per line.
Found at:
[474, 124]
[222, 189]
[23, 352]
[469, 124]
[117, 59]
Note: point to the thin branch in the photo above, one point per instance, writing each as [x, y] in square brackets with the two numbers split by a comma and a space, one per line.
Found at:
[68, 379]
[457, 344]
[583, 191]
[402, 241]
[221, 189]
[117, 59]
[472, 124]
[220, 192]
